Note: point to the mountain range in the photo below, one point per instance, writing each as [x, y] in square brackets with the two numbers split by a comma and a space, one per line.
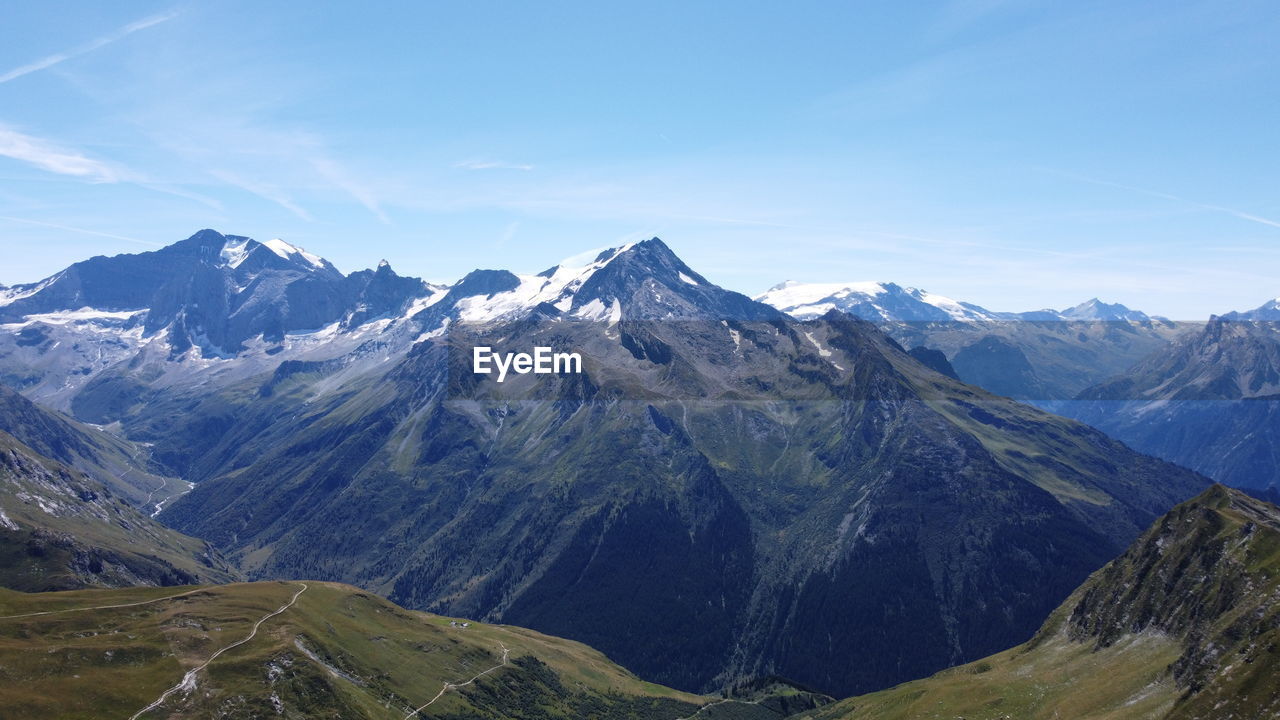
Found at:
[725, 492]
[1042, 356]
[886, 302]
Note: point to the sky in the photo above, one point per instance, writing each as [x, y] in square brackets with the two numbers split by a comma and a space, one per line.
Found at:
[1011, 153]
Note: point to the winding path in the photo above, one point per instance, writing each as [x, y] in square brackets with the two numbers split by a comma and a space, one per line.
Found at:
[718, 702]
[188, 681]
[453, 686]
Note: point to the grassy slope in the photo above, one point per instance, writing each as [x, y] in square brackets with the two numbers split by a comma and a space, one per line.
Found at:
[1200, 589]
[338, 652]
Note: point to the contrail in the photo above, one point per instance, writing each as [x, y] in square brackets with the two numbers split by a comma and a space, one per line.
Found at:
[68, 228]
[1167, 196]
[50, 61]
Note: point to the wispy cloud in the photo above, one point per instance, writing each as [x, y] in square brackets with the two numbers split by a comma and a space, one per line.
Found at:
[176, 191]
[61, 160]
[332, 172]
[490, 165]
[508, 233]
[82, 231]
[1168, 196]
[262, 190]
[51, 60]
[49, 156]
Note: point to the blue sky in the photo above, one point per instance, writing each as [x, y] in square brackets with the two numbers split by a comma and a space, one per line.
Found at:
[1011, 153]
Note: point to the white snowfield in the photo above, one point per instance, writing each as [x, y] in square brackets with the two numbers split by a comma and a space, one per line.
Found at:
[881, 301]
[287, 251]
[810, 300]
[82, 315]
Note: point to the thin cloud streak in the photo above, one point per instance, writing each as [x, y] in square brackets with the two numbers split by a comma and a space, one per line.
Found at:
[266, 192]
[82, 231]
[1167, 196]
[187, 194]
[51, 60]
[490, 165]
[62, 161]
[336, 175]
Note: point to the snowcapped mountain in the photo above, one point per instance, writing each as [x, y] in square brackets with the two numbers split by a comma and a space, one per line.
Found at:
[201, 302]
[872, 301]
[223, 307]
[641, 280]
[1095, 309]
[881, 302]
[1036, 356]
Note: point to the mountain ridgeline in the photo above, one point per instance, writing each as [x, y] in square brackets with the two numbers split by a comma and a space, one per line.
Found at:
[724, 492]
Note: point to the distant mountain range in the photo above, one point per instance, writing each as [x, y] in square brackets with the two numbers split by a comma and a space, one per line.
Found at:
[1042, 356]
[1198, 394]
[726, 491]
[881, 302]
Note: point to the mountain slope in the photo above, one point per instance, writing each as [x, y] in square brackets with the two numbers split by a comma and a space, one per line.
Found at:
[121, 466]
[1185, 624]
[316, 650]
[794, 489]
[1209, 403]
[60, 529]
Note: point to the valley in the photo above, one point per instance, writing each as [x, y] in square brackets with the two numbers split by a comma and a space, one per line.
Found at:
[723, 493]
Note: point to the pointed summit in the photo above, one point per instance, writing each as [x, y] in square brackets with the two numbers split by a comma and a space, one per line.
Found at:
[640, 280]
[648, 281]
[1095, 309]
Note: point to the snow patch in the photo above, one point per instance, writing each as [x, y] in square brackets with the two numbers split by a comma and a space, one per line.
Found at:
[83, 315]
[596, 310]
[822, 351]
[13, 294]
[234, 251]
[558, 290]
[688, 279]
[287, 251]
